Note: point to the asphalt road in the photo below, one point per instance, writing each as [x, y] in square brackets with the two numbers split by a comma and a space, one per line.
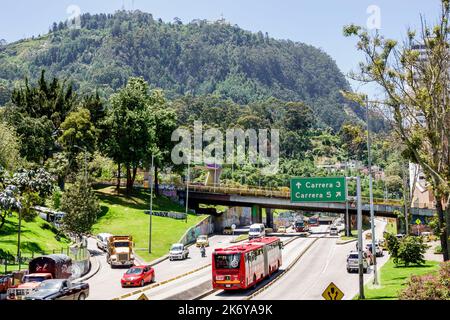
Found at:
[323, 263]
[290, 253]
[196, 283]
[106, 283]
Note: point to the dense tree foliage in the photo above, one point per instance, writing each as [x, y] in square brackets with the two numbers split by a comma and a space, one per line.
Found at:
[197, 58]
[81, 207]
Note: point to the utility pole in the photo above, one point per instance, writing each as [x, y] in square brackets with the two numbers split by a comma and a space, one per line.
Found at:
[18, 237]
[187, 187]
[405, 198]
[372, 214]
[347, 218]
[150, 177]
[360, 241]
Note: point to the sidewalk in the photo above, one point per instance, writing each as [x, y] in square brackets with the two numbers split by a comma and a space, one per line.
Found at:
[430, 255]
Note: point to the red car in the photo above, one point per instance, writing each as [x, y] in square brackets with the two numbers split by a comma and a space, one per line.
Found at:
[138, 276]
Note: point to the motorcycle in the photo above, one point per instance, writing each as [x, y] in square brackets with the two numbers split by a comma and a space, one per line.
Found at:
[203, 252]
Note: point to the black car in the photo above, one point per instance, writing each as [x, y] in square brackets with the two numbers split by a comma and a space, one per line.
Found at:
[59, 289]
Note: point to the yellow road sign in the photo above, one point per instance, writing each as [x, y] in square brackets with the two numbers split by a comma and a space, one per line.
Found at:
[418, 221]
[143, 297]
[332, 292]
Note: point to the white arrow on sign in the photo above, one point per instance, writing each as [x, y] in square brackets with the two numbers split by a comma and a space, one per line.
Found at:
[298, 185]
[338, 194]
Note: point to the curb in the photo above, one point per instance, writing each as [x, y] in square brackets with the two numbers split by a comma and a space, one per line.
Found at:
[160, 283]
[345, 241]
[88, 276]
[284, 271]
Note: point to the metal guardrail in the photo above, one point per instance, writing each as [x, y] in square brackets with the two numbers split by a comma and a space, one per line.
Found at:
[282, 192]
[276, 193]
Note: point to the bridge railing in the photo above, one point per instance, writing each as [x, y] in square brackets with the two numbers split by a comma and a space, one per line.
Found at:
[283, 192]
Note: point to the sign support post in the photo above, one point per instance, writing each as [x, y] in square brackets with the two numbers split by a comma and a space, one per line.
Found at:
[347, 217]
[360, 241]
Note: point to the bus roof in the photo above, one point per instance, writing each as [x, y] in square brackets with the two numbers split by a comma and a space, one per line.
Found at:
[247, 245]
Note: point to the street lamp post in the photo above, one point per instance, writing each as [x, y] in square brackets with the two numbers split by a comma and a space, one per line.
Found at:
[150, 177]
[372, 214]
[187, 187]
[360, 242]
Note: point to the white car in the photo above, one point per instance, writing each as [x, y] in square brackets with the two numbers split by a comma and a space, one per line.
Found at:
[102, 241]
[353, 261]
[257, 230]
[334, 231]
[178, 251]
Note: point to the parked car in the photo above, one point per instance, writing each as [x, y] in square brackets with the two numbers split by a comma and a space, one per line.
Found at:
[202, 241]
[59, 289]
[227, 230]
[281, 229]
[400, 236]
[334, 231]
[178, 251]
[6, 282]
[138, 276]
[353, 261]
[378, 249]
[102, 241]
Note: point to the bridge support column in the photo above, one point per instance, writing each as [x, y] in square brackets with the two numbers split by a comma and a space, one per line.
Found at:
[256, 214]
[269, 218]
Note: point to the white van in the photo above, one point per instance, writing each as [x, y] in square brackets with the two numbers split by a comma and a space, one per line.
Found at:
[257, 230]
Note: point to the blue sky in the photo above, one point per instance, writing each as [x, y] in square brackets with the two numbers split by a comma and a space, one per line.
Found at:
[317, 22]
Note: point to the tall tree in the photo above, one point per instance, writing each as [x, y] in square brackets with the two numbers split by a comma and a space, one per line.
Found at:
[415, 79]
[81, 207]
[130, 127]
[36, 113]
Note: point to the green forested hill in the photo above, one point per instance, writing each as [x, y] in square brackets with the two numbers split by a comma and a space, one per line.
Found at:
[196, 58]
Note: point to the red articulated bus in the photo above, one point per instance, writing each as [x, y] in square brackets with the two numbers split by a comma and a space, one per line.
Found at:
[244, 265]
[314, 221]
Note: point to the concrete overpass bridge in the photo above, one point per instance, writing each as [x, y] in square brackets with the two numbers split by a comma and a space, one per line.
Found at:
[258, 198]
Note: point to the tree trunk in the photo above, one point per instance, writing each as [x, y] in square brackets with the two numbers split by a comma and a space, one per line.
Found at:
[3, 218]
[118, 176]
[156, 180]
[443, 216]
[129, 183]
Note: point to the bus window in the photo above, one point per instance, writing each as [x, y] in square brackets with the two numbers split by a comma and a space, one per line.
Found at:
[227, 261]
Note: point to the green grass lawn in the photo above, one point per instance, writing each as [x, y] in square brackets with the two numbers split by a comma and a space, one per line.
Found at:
[37, 238]
[124, 215]
[34, 238]
[393, 279]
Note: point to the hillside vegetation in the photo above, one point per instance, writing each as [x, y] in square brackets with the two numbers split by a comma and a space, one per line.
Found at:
[197, 58]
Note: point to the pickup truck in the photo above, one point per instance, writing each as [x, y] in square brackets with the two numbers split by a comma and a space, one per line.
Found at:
[59, 289]
[54, 266]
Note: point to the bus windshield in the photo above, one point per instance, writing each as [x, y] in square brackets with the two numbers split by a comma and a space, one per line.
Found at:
[227, 261]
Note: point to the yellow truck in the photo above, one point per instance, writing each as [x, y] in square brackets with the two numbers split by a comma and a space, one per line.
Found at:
[120, 251]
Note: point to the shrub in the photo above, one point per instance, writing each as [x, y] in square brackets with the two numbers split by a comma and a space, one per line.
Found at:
[411, 251]
[429, 287]
[56, 198]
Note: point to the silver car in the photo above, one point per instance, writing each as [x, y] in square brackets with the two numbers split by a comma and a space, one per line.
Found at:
[102, 241]
[353, 262]
[178, 251]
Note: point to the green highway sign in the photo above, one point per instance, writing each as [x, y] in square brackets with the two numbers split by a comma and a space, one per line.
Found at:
[318, 189]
